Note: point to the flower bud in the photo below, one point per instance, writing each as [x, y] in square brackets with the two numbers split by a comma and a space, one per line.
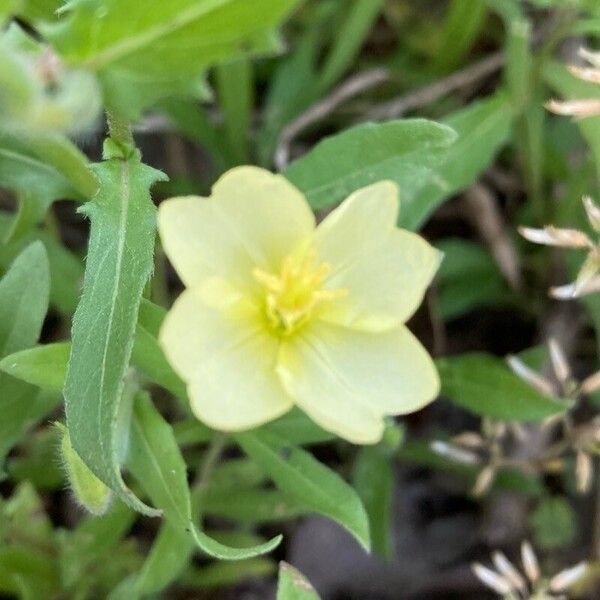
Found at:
[91, 493]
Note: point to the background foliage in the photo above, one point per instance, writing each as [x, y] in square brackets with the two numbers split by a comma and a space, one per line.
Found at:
[137, 499]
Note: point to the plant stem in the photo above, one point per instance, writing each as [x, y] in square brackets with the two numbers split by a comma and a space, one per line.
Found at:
[119, 129]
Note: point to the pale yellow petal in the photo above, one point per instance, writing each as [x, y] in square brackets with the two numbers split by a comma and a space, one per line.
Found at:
[361, 222]
[226, 358]
[346, 379]
[252, 219]
[386, 285]
[309, 372]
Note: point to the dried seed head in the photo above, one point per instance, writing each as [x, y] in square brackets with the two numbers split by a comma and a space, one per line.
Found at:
[554, 236]
[559, 361]
[584, 471]
[533, 378]
[592, 211]
[574, 108]
[592, 57]
[571, 290]
[530, 562]
[492, 579]
[565, 579]
[590, 384]
[554, 465]
[509, 571]
[484, 481]
[455, 453]
[585, 73]
[469, 439]
[587, 271]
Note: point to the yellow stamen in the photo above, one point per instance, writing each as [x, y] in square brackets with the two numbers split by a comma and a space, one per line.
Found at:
[293, 295]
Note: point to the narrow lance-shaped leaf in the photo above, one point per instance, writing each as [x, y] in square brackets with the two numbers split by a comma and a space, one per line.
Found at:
[483, 128]
[484, 384]
[405, 151]
[313, 485]
[24, 293]
[156, 462]
[118, 266]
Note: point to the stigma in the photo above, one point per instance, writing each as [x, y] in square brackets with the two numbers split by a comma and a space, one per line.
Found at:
[294, 295]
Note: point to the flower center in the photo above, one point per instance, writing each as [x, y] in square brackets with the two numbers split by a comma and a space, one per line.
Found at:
[293, 295]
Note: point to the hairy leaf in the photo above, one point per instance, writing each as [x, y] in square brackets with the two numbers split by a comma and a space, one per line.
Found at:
[118, 266]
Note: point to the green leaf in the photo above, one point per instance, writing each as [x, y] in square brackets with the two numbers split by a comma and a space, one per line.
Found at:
[235, 92]
[24, 294]
[66, 269]
[22, 170]
[143, 52]
[225, 574]
[156, 462]
[46, 366]
[462, 25]
[349, 38]
[554, 523]
[484, 384]
[149, 358]
[308, 482]
[293, 88]
[373, 479]
[118, 266]
[405, 151]
[250, 505]
[483, 128]
[292, 585]
[297, 428]
[42, 366]
[468, 278]
[92, 541]
[171, 552]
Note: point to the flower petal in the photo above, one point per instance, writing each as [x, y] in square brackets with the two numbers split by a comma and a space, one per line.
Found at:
[347, 380]
[358, 224]
[227, 360]
[386, 285]
[252, 219]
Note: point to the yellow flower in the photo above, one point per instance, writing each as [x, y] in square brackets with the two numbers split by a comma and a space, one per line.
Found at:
[278, 312]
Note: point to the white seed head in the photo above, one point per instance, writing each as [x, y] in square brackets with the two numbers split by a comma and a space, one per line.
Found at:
[571, 290]
[591, 384]
[530, 562]
[509, 571]
[455, 453]
[468, 439]
[584, 471]
[484, 481]
[592, 211]
[574, 108]
[559, 361]
[592, 57]
[555, 236]
[587, 271]
[492, 579]
[533, 378]
[585, 73]
[565, 579]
